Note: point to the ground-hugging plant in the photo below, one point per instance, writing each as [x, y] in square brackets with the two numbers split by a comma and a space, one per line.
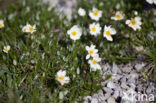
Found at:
[45, 58]
[35, 52]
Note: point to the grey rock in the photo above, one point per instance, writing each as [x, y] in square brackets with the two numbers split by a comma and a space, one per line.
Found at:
[95, 96]
[124, 85]
[139, 67]
[111, 100]
[132, 85]
[94, 100]
[125, 101]
[106, 67]
[112, 85]
[116, 77]
[116, 94]
[102, 102]
[127, 68]
[115, 68]
[106, 96]
[101, 97]
[100, 92]
[131, 80]
[107, 90]
[123, 79]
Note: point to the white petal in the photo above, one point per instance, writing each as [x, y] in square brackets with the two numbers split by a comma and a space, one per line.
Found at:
[88, 56]
[127, 21]
[109, 38]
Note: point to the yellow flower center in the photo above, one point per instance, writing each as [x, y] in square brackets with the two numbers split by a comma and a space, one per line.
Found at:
[31, 29]
[95, 13]
[61, 78]
[94, 62]
[91, 51]
[108, 33]
[118, 17]
[74, 33]
[133, 22]
[93, 29]
[6, 50]
[0, 25]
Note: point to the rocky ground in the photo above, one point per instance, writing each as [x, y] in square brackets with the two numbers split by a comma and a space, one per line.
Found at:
[126, 82]
[65, 6]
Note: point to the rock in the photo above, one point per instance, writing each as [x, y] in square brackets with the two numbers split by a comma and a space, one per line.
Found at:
[125, 101]
[106, 67]
[124, 85]
[139, 67]
[106, 96]
[123, 79]
[94, 100]
[111, 100]
[132, 78]
[107, 90]
[115, 68]
[101, 97]
[132, 85]
[116, 77]
[127, 68]
[95, 96]
[112, 85]
[116, 94]
[102, 102]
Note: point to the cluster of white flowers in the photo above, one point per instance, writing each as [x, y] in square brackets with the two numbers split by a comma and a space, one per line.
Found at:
[95, 29]
[95, 59]
[151, 1]
[75, 33]
[29, 28]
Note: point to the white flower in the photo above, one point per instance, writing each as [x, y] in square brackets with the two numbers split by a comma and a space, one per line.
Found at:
[151, 1]
[108, 32]
[118, 16]
[1, 23]
[95, 14]
[6, 49]
[134, 23]
[29, 28]
[62, 78]
[95, 29]
[94, 63]
[81, 12]
[91, 51]
[75, 32]
[25, 29]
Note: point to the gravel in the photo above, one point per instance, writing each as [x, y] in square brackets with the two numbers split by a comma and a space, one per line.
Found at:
[125, 79]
